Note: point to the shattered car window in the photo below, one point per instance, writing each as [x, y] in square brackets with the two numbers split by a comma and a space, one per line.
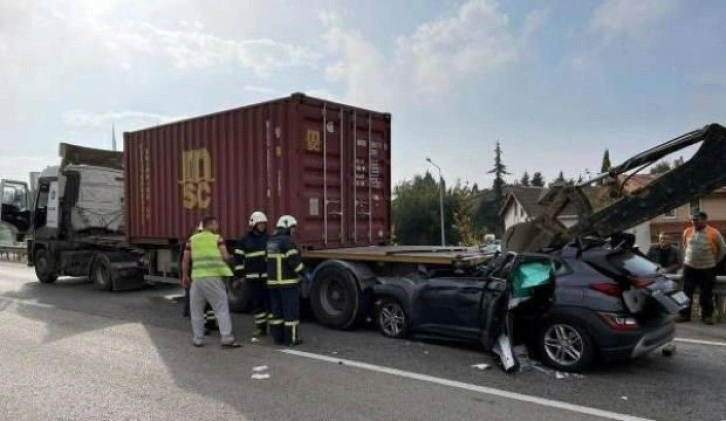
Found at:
[633, 264]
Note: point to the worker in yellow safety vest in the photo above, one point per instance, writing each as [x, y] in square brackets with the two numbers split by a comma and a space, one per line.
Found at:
[207, 255]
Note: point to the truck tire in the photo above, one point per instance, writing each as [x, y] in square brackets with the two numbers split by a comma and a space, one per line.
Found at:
[102, 274]
[44, 266]
[335, 298]
[239, 299]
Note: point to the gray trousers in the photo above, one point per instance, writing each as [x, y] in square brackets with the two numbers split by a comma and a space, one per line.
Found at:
[212, 291]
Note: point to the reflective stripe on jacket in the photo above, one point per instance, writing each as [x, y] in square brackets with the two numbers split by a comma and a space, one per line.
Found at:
[207, 260]
[284, 264]
[250, 255]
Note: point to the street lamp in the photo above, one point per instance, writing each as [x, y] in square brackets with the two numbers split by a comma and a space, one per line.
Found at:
[441, 200]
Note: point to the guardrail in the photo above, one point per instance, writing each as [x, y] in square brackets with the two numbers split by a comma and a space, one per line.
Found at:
[719, 292]
[13, 253]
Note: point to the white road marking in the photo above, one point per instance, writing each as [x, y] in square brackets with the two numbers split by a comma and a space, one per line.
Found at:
[699, 342]
[471, 387]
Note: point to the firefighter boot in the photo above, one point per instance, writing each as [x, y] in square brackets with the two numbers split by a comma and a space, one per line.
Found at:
[292, 333]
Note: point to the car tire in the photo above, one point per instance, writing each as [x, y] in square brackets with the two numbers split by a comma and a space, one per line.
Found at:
[238, 298]
[102, 273]
[335, 298]
[391, 318]
[44, 266]
[565, 345]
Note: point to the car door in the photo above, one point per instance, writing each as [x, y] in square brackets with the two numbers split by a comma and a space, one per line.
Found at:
[510, 284]
[450, 306]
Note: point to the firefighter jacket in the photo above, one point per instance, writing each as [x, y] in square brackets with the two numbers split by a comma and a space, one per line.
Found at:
[250, 255]
[284, 265]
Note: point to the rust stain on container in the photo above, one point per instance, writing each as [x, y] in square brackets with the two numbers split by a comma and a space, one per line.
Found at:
[325, 163]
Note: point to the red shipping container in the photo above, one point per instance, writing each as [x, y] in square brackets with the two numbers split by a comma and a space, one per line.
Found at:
[327, 164]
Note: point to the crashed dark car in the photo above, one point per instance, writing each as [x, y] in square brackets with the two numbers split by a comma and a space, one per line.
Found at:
[569, 306]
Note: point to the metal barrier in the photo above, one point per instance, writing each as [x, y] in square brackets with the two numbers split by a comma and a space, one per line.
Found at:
[719, 293]
[13, 253]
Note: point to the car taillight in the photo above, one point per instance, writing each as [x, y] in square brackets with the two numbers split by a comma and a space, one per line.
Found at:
[618, 322]
[607, 288]
[641, 282]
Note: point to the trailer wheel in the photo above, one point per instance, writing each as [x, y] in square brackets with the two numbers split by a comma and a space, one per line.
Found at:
[335, 298]
[44, 267]
[102, 274]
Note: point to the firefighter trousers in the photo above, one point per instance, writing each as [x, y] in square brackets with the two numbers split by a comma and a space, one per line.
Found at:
[284, 321]
[258, 303]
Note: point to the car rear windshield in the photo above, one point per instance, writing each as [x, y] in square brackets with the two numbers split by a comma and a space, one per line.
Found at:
[633, 264]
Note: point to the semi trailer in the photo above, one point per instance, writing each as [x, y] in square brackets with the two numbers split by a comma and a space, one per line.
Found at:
[120, 218]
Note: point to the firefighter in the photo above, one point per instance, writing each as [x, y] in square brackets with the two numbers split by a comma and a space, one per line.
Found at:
[284, 269]
[206, 255]
[251, 264]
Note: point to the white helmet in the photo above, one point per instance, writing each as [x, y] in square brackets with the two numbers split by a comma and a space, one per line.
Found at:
[286, 221]
[257, 218]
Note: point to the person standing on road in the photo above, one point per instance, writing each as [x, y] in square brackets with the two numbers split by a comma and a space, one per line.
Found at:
[284, 269]
[705, 248]
[210, 322]
[207, 256]
[251, 264]
[665, 255]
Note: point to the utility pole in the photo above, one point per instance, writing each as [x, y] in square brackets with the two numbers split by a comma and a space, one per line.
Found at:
[441, 200]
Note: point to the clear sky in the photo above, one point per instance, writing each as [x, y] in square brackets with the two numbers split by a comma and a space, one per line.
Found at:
[556, 81]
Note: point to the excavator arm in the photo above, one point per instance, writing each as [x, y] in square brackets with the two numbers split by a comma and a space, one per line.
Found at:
[605, 206]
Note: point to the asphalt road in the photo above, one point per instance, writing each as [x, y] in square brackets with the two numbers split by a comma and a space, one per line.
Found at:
[69, 352]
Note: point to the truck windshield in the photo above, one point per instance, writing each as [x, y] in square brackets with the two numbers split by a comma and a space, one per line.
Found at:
[633, 264]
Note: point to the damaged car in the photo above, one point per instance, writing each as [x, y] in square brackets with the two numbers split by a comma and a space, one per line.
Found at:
[569, 306]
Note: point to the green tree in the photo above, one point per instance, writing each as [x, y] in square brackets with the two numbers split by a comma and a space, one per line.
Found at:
[499, 171]
[463, 207]
[661, 167]
[561, 177]
[538, 180]
[525, 179]
[606, 165]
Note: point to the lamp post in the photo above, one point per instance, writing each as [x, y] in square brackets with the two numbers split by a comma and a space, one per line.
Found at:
[441, 200]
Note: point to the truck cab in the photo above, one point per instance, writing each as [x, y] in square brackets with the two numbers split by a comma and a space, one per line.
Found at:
[16, 207]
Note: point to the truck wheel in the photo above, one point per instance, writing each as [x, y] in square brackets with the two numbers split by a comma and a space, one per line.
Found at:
[238, 298]
[565, 346]
[391, 318]
[44, 267]
[335, 299]
[102, 274]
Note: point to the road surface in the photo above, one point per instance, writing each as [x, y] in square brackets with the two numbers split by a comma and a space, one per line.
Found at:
[69, 352]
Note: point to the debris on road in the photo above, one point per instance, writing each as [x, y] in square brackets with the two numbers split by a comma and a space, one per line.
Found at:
[260, 368]
[261, 376]
[482, 366]
[668, 349]
[625, 398]
[560, 375]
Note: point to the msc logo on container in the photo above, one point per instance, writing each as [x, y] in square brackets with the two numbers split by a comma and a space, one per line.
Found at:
[196, 179]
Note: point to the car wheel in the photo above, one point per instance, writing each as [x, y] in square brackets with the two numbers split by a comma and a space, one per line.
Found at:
[44, 267]
[391, 318]
[102, 274]
[565, 346]
[335, 299]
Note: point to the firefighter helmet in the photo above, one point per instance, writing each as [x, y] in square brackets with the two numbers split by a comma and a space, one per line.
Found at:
[257, 218]
[286, 221]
